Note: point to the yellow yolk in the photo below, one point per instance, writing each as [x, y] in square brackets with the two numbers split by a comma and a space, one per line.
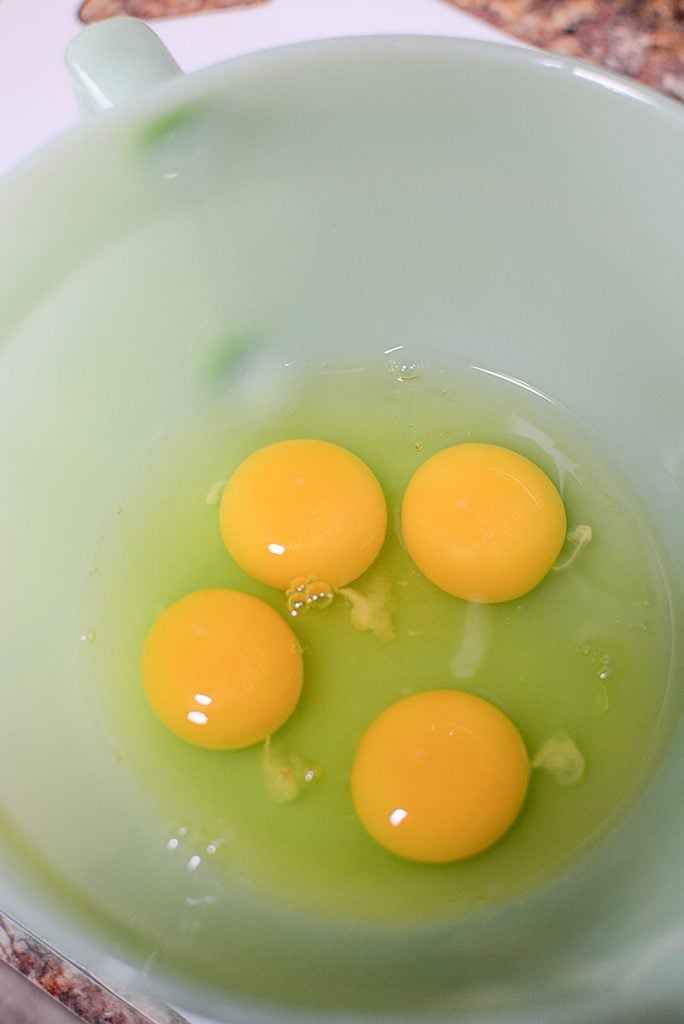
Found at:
[439, 776]
[482, 522]
[303, 509]
[222, 669]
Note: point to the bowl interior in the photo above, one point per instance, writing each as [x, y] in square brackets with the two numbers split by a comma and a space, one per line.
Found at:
[502, 208]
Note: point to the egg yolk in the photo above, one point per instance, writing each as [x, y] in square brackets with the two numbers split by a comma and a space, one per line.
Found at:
[303, 508]
[482, 522]
[439, 776]
[222, 669]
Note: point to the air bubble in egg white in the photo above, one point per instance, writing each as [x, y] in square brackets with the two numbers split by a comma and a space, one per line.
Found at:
[605, 666]
[403, 366]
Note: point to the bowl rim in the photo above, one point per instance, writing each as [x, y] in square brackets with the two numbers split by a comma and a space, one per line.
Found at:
[193, 85]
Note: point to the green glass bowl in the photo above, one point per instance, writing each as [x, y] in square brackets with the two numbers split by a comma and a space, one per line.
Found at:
[505, 207]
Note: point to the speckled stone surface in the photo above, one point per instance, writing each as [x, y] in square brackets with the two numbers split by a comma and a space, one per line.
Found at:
[99, 10]
[643, 39]
[61, 991]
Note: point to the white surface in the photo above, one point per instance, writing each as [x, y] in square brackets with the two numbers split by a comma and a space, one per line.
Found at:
[35, 96]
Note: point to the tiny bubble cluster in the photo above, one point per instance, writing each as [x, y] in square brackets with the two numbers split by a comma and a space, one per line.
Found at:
[605, 665]
[194, 850]
[404, 368]
[179, 836]
[307, 592]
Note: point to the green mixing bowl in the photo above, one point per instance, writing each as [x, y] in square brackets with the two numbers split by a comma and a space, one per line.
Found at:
[503, 207]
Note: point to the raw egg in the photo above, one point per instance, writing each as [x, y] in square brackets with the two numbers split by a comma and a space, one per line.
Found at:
[222, 669]
[482, 522]
[303, 509]
[439, 776]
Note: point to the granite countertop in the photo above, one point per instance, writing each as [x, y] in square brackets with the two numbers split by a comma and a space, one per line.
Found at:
[643, 39]
[37, 986]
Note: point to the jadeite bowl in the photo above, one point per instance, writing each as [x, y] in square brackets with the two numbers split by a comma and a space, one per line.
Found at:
[500, 206]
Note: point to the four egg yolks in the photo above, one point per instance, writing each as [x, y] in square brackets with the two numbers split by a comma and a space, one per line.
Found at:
[303, 508]
[222, 669]
[439, 776]
[482, 522]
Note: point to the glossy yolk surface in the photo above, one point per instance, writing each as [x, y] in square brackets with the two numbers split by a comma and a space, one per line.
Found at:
[303, 508]
[439, 776]
[482, 522]
[221, 669]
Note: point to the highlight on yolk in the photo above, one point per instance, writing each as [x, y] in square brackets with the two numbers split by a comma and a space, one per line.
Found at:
[439, 776]
[482, 522]
[222, 669]
[303, 508]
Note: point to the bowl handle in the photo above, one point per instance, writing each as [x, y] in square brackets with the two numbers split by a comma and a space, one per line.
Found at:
[114, 61]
